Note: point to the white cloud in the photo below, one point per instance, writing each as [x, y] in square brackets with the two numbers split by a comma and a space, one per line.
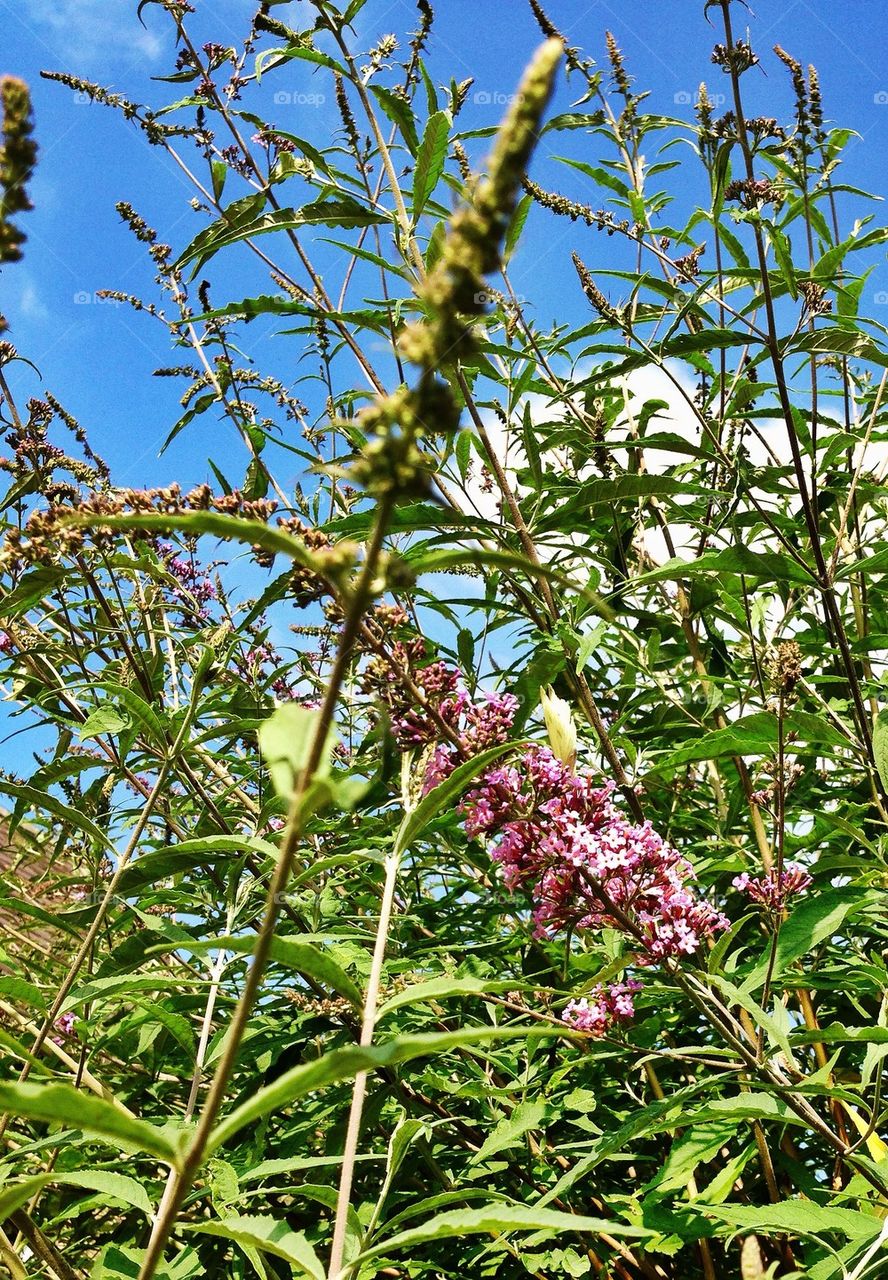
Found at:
[95, 37]
[641, 385]
[31, 305]
[23, 299]
[675, 388]
[91, 36]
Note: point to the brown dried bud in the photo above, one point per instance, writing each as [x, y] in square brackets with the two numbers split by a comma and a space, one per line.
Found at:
[786, 667]
[18, 154]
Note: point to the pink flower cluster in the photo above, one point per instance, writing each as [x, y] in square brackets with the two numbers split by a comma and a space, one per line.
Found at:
[603, 1008]
[585, 864]
[64, 1026]
[554, 832]
[262, 655]
[478, 725]
[772, 890]
[195, 583]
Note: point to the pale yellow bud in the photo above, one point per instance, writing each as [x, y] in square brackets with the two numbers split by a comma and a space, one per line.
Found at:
[877, 1149]
[560, 726]
[751, 1265]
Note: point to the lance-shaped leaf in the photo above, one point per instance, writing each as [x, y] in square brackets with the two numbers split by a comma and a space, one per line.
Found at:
[63, 1104]
[430, 160]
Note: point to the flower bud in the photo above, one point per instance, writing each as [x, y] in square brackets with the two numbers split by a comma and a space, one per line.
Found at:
[560, 726]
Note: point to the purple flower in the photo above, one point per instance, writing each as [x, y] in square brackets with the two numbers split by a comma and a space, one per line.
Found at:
[603, 1009]
[772, 890]
[438, 769]
[64, 1026]
[560, 836]
[554, 832]
[487, 723]
[445, 704]
[195, 585]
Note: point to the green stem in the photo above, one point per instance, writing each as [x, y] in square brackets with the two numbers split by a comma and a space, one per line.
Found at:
[178, 1189]
[335, 1271]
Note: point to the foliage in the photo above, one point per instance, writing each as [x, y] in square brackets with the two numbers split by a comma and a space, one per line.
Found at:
[471, 858]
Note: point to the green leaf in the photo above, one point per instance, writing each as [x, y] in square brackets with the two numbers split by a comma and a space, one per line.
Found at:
[63, 1104]
[516, 226]
[32, 588]
[400, 113]
[444, 988]
[105, 719]
[880, 745]
[224, 1184]
[442, 561]
[23, 992]
[138, 710]
[798, 1218]
[814, 920]
[268, 1236]
[430, 159]
[588, 645]
[508, 1132]
[783, 254]
[302, 53]
[195, 523]
[97, 989]
[219, 172]
[117, 1186]
[836, 1033]
[276, 305]
[753, 735]
[292, 953]
[744, 1106]
[500, 1219]
[404, 1134]
[353, 10]
[189, 854]
[120, 1262]
[776, 1033]
[46, 802]
[766, 565]
[603, 177]
[286, 739]
[842, 342]
[344, 1064]
[697, 1146]
[342, 211]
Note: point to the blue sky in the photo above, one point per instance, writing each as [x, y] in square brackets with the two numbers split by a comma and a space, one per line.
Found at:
[98, 357]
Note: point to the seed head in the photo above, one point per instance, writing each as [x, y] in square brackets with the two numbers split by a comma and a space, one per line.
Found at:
[18, 154]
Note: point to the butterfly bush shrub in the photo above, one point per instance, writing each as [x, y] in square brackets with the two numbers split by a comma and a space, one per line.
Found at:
[447, 836]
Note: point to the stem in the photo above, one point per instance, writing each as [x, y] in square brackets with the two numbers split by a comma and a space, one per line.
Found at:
[772, 343]
[44, 1249]
[200, 1057]
[10, 1258]
[357, 1105]
[179, 1188]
